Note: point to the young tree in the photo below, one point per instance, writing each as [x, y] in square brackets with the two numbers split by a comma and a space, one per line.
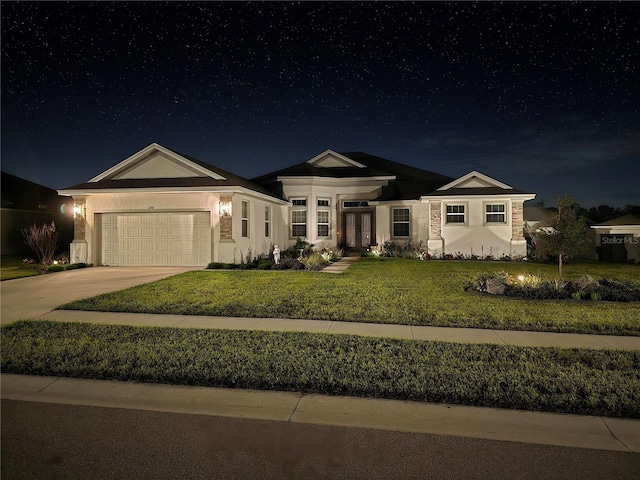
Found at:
[567, 232]
[43, 240]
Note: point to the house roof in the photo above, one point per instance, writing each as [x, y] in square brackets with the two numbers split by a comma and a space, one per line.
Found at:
[173, 169]
[409, 183]
[628, 219]
[536, 214]
[217, 177]
[21, 194]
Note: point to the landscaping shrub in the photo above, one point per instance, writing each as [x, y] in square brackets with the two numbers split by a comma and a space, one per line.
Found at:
[315, 261]
[75, 266]
[400, 249]
[289, 263]
[55, 268]
[222, 266]
[43, 240]
[618, 290]
[536, 287]
[264, 264]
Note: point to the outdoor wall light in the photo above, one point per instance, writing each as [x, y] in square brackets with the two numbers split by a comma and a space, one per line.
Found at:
[225, 207]
[79, 210]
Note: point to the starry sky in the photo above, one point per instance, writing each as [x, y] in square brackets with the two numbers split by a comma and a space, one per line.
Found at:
[542, 96]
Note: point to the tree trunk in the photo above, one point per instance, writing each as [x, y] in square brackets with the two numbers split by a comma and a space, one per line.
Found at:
[560, 264]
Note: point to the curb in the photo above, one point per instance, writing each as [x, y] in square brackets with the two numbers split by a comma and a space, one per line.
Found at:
[600, 433]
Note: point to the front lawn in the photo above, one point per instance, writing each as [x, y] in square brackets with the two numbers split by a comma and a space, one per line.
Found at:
[578, 381]
[381, 290]
[14, 267]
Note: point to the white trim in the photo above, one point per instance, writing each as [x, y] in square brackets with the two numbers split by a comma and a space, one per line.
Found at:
[506, 213]
[347, 161]
[465, 214]
[313, 180]
[492, 182]
[221, 189]
[145, 152]
[394, 222]
[448, 198]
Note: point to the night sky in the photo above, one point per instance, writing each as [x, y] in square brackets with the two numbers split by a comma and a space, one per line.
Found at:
[542, 96]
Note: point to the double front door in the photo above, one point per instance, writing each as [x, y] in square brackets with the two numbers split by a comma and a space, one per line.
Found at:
[358, 230]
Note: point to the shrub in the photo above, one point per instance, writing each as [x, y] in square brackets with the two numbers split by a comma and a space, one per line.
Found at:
[222, 266]
[536, 287]
[55, 268]
[289, 263]
[618, 290]
[400, 250]
[314, 261]
[264, 264]
[43, 240]
[75, 266]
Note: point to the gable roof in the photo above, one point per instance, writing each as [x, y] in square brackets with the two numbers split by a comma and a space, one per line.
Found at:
[190, 173]
[406, 182]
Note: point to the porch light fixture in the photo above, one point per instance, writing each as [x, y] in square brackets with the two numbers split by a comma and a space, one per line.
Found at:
[79, 210]
[225, 207]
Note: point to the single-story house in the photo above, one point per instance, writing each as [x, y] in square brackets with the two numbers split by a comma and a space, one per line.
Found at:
[618, 240]
[161, 207]
[25, 203]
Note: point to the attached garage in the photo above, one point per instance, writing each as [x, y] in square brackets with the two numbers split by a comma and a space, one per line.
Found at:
[154, 238]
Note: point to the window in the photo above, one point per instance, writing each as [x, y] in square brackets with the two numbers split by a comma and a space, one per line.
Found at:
[245, 219]
[401, 218]
[299, 223]
[455, 214]
[495, 213]
[323, 217]
[352, 204]
[299, 218]
[267, 221]
[323, 224]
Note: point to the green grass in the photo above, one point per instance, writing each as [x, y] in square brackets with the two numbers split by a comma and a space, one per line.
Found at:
[13, 267]
[380, 291]
[580, 381]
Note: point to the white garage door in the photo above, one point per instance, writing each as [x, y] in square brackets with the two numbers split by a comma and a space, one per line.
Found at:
[159, 238]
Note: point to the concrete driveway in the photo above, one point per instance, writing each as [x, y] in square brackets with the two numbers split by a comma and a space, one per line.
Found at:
[32, 297]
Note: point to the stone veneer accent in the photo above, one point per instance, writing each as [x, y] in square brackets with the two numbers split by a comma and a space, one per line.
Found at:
[517, 220]
[226, 222]
[435, 219]
[79, 222]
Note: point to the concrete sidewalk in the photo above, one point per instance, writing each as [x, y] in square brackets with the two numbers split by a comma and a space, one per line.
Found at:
[445, 334]
[453, 420]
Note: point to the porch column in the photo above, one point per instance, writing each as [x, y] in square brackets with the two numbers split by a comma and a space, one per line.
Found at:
[435, 244]
[518, 242]
[226, 247]
[78, 249]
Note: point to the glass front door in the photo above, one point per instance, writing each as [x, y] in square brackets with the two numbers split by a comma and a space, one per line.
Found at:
[359, 230]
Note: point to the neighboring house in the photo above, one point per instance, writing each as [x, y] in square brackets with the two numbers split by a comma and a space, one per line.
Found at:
[618, 240]
[160, 207]
[537, 220]
[25, 203]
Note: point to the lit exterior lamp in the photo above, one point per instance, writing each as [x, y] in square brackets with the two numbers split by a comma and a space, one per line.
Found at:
[226, 221]
[79, 249]
[79, 210]
[225, 207]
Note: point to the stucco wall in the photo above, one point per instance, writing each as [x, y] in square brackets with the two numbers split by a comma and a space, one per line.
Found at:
[223, 251]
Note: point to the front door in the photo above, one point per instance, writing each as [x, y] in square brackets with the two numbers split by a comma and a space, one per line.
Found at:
[359, 230]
